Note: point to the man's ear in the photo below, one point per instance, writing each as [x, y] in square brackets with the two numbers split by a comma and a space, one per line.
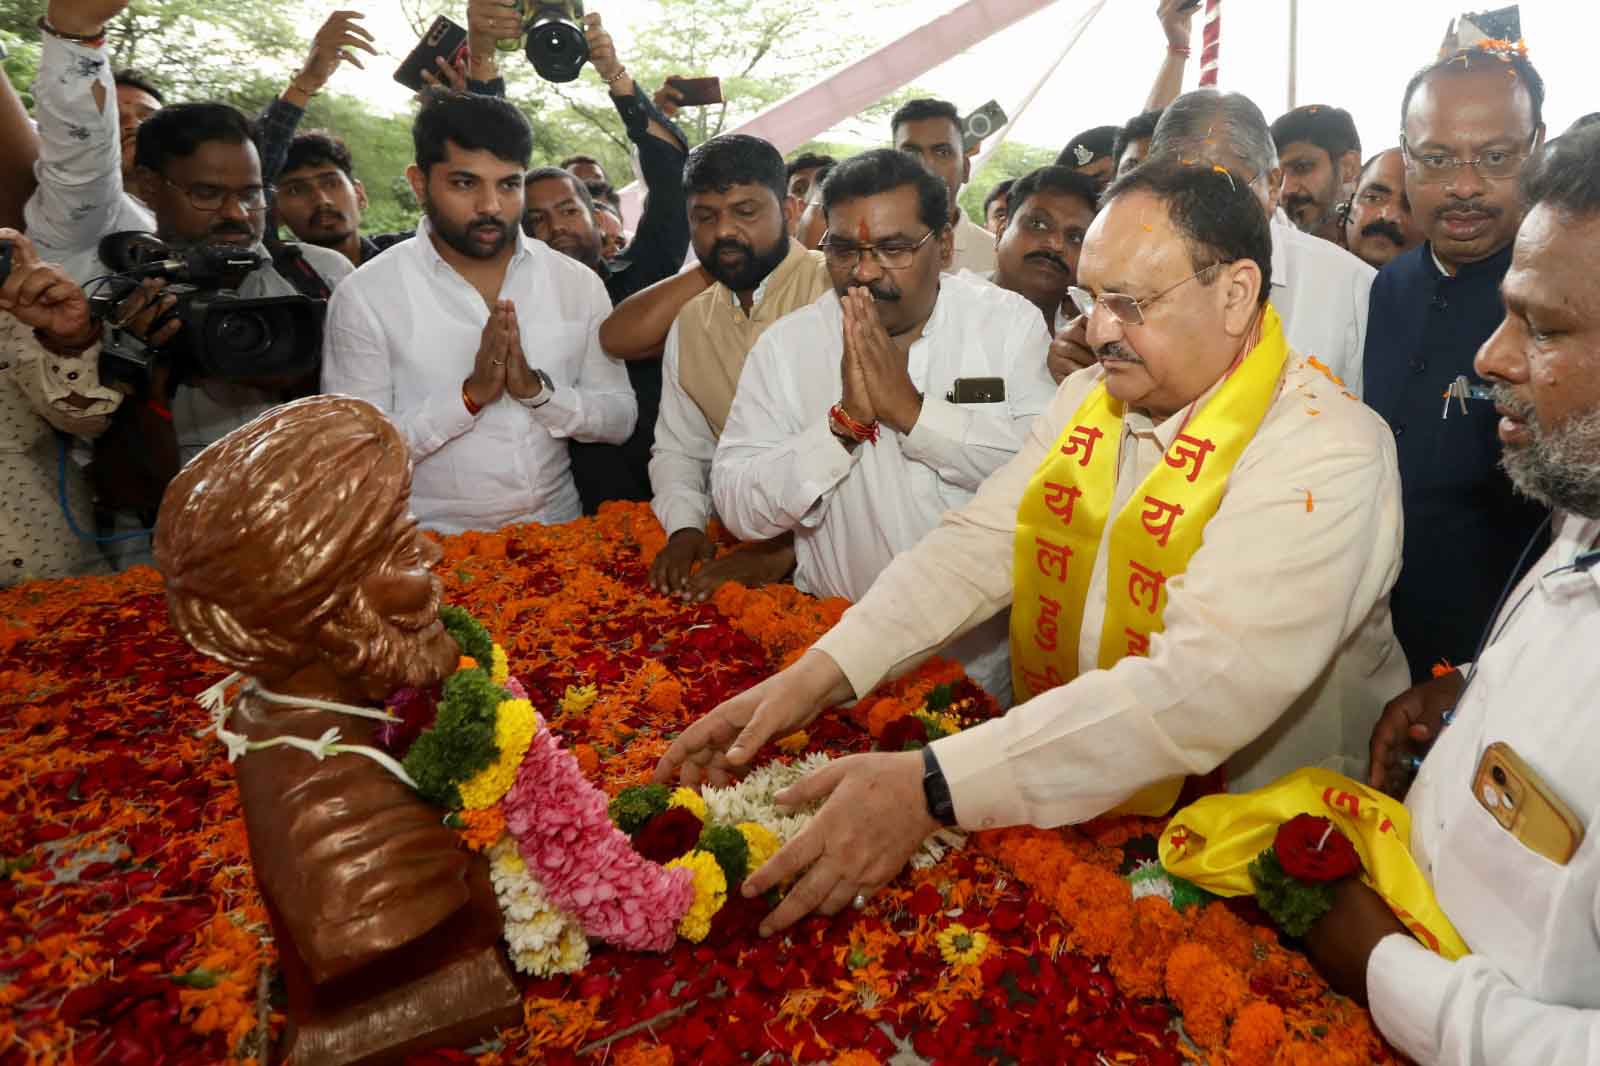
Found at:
[1243, 296]
[1349, 167]
[361, 194]
[947, 247]
[1274, 190]
[146, 184]
[418, 182]
[791, 207]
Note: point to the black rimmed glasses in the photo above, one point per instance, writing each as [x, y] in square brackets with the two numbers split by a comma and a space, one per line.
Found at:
[891, 255]
[1435, 168]
[204, 196]
[1122, 307]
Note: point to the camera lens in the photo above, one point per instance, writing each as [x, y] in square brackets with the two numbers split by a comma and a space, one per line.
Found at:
[241, 334]
[556, 48]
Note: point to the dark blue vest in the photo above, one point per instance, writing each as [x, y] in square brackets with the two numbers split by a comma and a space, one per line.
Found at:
[1465, 527]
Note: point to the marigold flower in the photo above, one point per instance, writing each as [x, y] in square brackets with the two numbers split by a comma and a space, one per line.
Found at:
[579, 698]
[763, 842]
[514, 727]
[1256, 1034]
[689, 799]
[960, 946]
[710, 892]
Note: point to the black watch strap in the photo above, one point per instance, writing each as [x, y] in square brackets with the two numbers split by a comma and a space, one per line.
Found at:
[935, 790]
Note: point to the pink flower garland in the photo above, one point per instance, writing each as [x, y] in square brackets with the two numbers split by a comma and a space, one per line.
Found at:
[585, 863]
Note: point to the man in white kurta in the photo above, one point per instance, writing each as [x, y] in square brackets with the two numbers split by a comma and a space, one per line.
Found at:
[1275, 648]
[780, 467]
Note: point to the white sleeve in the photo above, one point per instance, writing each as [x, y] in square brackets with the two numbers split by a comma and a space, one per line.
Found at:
[965, 443]
[680, 459]
[773, 473]
[80, 150]
[1361, 298]
[355, 362]
[1467, 1012]
[599, 407]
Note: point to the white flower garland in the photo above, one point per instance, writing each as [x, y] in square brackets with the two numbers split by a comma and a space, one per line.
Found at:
[543, 939]
[754, 799]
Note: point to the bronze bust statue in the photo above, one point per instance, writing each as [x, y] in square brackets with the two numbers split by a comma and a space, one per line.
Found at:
[290, 556]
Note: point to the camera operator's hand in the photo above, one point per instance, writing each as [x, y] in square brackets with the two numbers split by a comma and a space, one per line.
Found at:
[1177, 19]
[603, 57]
[669, 98]
[489, 21]
[449, 76]
[336, 42]
[41, 295]
[84, 17]
[521, 382]
[147, 313]
[488, 378]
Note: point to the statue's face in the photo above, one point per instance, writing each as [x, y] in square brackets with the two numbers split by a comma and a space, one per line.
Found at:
[398, 615]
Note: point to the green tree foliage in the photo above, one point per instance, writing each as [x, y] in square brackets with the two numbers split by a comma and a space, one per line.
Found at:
[1011, 161]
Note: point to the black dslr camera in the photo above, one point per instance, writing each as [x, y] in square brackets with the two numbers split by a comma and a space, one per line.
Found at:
[263, 342]
[554, 41]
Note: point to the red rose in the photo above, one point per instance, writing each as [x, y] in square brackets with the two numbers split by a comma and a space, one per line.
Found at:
[1311, 849]
[669, 835]
[903, 734]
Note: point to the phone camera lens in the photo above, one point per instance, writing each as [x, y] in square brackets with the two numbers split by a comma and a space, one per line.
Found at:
[1499, 776]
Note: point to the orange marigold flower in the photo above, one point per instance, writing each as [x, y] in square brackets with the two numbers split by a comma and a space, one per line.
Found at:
[588, 759]
[1138, 962]
[857, 1057]
[1098, 906]
[642, 1054]
[482, 827]
[1256, 1035]
[1207, 990]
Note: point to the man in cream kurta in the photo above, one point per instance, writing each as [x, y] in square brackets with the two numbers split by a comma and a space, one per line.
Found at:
[1275, 649]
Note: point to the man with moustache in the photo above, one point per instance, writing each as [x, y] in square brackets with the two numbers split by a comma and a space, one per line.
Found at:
[849, 428]
[479, 342]
[1528, 993]
[1470, 122]
[739, 212]
[320, 199]
[930, 131]
[1378, 225]
[1195, 544]
[1049, 210]
[1320, 153]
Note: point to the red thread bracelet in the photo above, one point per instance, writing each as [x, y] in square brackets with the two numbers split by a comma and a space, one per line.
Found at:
[861, 432]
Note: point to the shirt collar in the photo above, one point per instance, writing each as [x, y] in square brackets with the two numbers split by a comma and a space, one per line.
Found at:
[1280, 251]
[1496, 264]
[435, 261]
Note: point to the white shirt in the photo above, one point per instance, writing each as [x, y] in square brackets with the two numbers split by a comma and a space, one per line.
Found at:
[974, 247]
[80, 196]
[680, 458]
[1321, 291]
[403, 333]
[1277, 650]
[1529, 994]
[779, 467]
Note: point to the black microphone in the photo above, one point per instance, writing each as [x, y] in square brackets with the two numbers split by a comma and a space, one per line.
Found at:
[130, 251]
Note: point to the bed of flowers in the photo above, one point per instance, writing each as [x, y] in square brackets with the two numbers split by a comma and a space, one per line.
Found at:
[131, 931]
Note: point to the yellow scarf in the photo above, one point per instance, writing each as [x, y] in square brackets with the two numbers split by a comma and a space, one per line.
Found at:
[1063, 517]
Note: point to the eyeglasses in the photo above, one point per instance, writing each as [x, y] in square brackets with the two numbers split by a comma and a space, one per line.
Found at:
[330, 182]
[206, 197]
[1433, 168]
[891, 255]
[1124, 308]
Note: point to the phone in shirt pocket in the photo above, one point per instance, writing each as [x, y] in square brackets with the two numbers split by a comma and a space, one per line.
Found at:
[1517, 798]
[977, 390]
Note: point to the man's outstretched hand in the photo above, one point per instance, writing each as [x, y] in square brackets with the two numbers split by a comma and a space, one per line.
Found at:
[717, 748]
[872, 822]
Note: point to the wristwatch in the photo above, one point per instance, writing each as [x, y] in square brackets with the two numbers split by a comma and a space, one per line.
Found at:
[935, 790]
[547, 389]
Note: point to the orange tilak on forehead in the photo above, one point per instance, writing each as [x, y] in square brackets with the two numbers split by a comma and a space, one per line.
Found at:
[862, 233]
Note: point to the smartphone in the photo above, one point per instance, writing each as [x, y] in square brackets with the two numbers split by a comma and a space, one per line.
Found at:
[1503, 24]
[445, 40]
[1514, 795]
[697, 92]
[5, 261]
[977, 390]
[980, 124]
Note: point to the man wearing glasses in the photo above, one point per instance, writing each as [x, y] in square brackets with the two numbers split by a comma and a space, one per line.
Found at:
[1470, 122]
[861, 418]
[1195, 543]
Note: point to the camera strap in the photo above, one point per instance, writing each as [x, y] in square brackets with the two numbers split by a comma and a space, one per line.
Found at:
[291, 265]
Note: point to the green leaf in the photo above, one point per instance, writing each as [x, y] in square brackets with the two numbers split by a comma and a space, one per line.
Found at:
[200, 977]
[1293, 904]
[728, 846]
[636, 805]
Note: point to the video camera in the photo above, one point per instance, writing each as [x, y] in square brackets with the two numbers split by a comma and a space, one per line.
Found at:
[554, 41]
[264, 342]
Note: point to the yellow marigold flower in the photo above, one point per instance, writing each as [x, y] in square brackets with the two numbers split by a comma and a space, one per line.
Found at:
[710, 893]
[689, 799]
[502, 666]
[794, 743]
[579, 698]
[762, 842]
[514, 727]
[961, 946]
